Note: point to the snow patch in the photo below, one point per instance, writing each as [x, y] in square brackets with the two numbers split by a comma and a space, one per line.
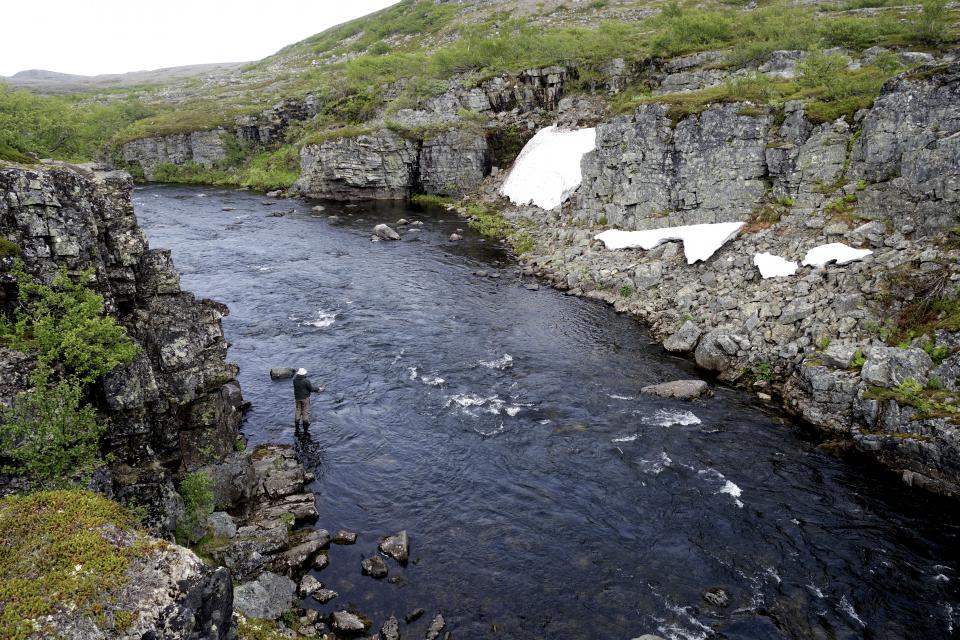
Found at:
[835, 251]
[772, 266]
[700, 241]
[547, 171]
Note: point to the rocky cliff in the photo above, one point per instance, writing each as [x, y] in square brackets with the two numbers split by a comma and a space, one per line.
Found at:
[177, 406]
[888, 183]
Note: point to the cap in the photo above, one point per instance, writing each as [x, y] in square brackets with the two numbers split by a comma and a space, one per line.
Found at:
[301, 371]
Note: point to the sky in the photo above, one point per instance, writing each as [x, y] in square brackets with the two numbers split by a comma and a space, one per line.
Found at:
[116, 36]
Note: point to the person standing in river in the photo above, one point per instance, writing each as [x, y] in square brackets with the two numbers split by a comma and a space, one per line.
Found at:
[302, 388]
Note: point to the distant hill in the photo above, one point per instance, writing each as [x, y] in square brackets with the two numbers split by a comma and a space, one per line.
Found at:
[44, 81]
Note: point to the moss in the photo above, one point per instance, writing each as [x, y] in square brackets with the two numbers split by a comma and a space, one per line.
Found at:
[256, 629]
[431, 200]
[929, 403]
[57, 555]
[488, 221]
[9, 249]
[12, 155]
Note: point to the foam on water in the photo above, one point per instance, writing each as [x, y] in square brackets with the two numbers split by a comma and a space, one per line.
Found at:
[432, 381]
[727, 487]
[504, 362]
[614, 396]
[848, 609]
[323, 320]
[669, 418]
[629, 438]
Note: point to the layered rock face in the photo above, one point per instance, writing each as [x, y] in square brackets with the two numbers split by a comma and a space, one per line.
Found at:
[386, 166]
[892, 188]
[177, 405]
[205, 148]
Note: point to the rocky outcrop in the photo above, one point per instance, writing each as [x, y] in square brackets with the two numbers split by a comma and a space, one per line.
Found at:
[205, 148]
[453, 163]
[271, 124]
[887, 182]
[177, 406]
[378, 166]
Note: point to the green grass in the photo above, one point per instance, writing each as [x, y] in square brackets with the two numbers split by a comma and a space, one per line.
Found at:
[488, 221]
[929, 403]
[263, 171]
[431, 200]
[57, 553]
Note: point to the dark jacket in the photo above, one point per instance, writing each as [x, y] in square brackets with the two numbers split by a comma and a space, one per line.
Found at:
[302, 387]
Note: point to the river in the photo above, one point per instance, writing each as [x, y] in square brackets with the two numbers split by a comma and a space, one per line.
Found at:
[502, 427]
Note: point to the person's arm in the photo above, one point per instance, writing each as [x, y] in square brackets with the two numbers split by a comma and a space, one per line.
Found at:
[315, 388]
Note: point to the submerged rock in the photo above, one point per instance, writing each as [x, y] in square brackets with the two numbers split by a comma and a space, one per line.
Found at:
[414, 614]
[344, 537]
[374, 567]
[397, 547]
[679, 389]
[717, 596]
[323, 596]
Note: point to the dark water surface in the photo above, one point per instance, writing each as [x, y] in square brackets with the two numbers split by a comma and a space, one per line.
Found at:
[503, 429]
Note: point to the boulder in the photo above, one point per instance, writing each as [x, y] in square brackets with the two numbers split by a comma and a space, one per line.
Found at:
[323, 596]
[321, 561]
[717, 597]
[679, 389]
[436, 626]
[374, 567]
[308, 586]
[390, 629]
[344, 537]
[716, 351]
[455, 237]
[221, 525]
[685, 339]
[349, 623]
[281, 373]
[267, 597]
[397, 547]
[384, 232]
[891, 366]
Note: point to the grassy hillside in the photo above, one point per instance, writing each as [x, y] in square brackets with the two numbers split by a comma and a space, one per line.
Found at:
[417, 48]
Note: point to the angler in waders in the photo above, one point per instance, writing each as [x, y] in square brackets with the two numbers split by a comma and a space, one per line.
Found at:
[302, 388]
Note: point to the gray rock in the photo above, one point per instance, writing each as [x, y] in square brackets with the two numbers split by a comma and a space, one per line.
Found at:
[436, 626]
[374, 567]
[349, 623]
[717, 597]
[344, 537]
[221, 525]
[308, 586]
[281, 373]
[838, 355]
[268, 597]
[323, 596]
[397, 547]
[390, 629]
[679, 389]
[891, 366]
[413, 615]
[385, 233]
[321, 561]
[206, 148]
[685, 339]
[454, 162]
[455, 237]
[716, 351]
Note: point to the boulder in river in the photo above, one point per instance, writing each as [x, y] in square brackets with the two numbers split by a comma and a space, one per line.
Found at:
[454, 237]
[267, 597]
[717, 596]
[323, 596]
[384, 232]
[390, 629]
[433, 631]
[349, 623]
[397, 547]
[344, 537]
[375, 567]
[320, 561]
[308, 586]
[413, 615]
[679, 389]
[281, 373]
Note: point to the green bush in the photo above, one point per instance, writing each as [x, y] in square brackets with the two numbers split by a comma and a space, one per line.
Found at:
[931, 24]
[65, 323]
[50, 435]
[196, 491]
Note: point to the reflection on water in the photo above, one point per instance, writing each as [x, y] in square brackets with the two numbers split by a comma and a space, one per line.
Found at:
[503, 428]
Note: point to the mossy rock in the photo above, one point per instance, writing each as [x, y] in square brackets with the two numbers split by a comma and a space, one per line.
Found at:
[65, 551]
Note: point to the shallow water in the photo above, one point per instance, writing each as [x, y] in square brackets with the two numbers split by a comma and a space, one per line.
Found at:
[503, 429]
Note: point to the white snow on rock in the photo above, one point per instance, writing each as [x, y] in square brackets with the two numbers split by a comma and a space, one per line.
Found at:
[547, 171]
[700, 241]
[772, 266]
[819, 256]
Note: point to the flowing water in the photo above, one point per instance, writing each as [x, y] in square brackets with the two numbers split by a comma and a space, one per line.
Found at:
[502, 427]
